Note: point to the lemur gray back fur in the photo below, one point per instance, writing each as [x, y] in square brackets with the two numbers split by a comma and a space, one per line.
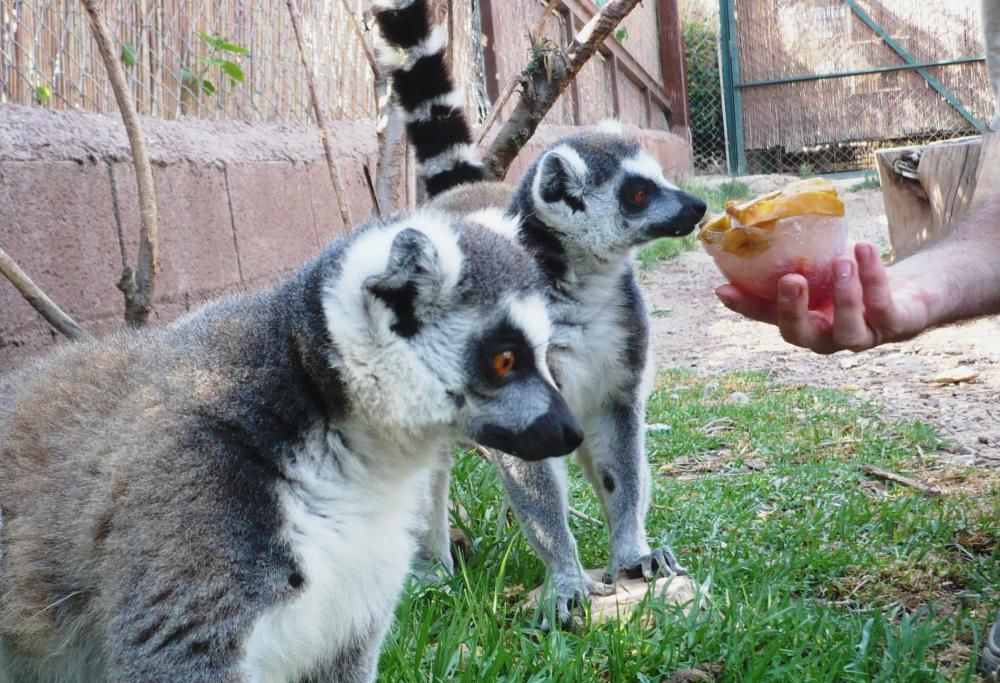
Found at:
[233, 497]
[580, 208]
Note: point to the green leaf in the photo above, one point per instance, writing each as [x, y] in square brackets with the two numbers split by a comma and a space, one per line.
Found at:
[234, 48]
[128, 54]
[621, 35]
[188, 76]
[212, 61]
[233, 70]
[43, 94]
[215, 41]
[207, 87]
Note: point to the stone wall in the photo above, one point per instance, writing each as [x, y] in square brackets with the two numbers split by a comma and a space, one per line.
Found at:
[240, 205]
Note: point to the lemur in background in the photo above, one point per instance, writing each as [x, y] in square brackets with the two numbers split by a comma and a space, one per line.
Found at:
[580, 209]
[234, 497]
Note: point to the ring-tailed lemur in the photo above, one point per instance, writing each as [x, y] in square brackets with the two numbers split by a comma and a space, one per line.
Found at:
[581, 209]
[233, 497]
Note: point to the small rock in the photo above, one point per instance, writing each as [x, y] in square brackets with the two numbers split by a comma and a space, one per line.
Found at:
[658, 427]
[850, 388]
[956, 375]
[628, 594]
[756, 464]
[850, 362]
[738, 398]
[985, 440]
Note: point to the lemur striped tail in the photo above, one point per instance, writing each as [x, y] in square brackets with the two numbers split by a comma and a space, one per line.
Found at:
[413, 51]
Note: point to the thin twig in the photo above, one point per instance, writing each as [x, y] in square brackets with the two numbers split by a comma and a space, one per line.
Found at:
[536, 37]
[360, 34]
[498, 107]
[137, 285]
[900, 479]
[33, 294]
[324, 131]
[543, 86]
[483, 451]
[585, 517]
[370, 183]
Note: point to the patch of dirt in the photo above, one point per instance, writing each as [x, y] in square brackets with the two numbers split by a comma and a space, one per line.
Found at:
[692, 329]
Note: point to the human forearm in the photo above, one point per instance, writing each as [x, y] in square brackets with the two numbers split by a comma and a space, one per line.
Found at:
[961, 275]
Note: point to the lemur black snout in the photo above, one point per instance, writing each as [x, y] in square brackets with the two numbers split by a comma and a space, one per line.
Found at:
[694, 210]
[553, 433]
[572, 437]
[680, 214]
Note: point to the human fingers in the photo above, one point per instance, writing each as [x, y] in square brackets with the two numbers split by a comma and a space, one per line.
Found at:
[797, 324]
[881, 311]
[747, 305]
[850, 329]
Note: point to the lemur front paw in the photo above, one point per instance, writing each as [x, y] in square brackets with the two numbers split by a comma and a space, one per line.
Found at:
[568, 593]
[657, 561]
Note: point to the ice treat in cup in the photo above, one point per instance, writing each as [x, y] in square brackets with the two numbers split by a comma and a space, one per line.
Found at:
[800, 229]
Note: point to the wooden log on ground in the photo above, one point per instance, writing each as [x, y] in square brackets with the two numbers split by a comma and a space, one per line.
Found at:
[923, 199]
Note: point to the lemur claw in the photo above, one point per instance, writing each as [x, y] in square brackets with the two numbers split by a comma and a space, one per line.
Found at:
[569, 598]
[659, 561]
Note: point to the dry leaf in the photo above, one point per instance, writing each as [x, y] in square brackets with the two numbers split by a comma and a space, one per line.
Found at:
[956, 375]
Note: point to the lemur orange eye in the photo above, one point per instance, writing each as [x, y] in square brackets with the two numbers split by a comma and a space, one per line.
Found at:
[639, 198]
[503, 363]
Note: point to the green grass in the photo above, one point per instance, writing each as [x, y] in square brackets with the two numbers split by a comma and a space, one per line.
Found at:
[816, 573]
[716, 198]
[869, 182]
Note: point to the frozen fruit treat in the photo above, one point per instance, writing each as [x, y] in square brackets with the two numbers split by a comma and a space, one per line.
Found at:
[799, 229]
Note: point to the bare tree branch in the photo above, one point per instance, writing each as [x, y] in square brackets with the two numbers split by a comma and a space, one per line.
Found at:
[39, 300]
[390, 130]
[137, 285]
[542, 86]
[536, 38]
[324, 132]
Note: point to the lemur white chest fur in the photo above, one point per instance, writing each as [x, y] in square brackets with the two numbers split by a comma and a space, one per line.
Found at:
[349, 524]
[588, 337]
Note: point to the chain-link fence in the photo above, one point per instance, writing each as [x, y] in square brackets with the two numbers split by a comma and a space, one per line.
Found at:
[818, 86]
[700, 24]
[176, 54]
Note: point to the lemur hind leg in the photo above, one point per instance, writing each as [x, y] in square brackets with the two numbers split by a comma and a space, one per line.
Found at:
[614, 459]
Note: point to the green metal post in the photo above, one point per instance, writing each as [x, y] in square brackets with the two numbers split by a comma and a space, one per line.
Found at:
[729, 61]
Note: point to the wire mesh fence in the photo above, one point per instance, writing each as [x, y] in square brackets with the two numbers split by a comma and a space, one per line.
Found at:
[700, 25]
[170, 49]
[818, 86]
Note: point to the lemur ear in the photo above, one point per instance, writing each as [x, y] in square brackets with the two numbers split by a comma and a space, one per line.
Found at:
[562, 176]
[412, 280]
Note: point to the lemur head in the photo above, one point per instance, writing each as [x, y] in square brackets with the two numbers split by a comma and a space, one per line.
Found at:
[443, 325]
[602, 194]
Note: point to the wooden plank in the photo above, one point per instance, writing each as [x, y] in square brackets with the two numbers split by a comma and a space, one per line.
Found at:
[672, 63]
[988, 181]
[922, 210]
[628, 66]
[490, 53]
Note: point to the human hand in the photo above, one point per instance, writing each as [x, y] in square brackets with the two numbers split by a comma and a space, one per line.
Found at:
[871, 306]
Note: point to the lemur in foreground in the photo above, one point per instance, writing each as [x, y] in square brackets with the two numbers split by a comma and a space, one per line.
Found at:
[580, 209]
[233, 497]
